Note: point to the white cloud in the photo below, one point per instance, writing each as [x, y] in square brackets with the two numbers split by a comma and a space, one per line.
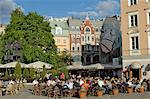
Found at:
[6, 7]
[102, 9]
[91, 13]
[107, 7]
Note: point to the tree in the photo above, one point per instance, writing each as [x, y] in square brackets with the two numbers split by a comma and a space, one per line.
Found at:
[26, 73]
[61, 64]
[32, 73]
[66, 57]
[6, 76]
[17, 71]
[32, 35]
[44, 72]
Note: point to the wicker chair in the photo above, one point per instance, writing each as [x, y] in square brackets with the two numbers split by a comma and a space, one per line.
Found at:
[56, 92]
[37, 90]
[50, 91]
[10, 90]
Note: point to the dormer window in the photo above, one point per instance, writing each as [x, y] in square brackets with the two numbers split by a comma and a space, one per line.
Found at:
[58, 30]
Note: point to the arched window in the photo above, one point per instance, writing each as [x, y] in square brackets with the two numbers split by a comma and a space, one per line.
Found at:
[78, 48]
[58, 30]
[87, 29]
[73, 48]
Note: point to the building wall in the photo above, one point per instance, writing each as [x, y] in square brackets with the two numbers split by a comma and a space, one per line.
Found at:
[80, 39]
[60, 30]
[110, 40]
[140, 8]
[132, 54]
[62, 43]
[2, 28]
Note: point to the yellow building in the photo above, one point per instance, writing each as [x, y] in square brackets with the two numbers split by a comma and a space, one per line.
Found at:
[135, 27]
[60, 30]
[2, 29]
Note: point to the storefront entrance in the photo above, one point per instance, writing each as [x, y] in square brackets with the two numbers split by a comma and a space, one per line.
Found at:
[135, 73]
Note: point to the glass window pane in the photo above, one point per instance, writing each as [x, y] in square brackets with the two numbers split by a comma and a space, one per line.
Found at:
[137, 43]
[133, 46]
[136, 21]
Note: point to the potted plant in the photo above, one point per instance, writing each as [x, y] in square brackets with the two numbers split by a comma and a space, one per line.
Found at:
[115, 90]
[130, 90]
[142, 89]
[82, 93]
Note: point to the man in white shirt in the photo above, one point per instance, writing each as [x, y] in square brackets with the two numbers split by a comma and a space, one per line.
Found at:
[35, 82]
[70, 84]
[100, 82]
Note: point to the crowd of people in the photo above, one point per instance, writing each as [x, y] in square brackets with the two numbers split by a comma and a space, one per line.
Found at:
[92, 84]
[10, 86]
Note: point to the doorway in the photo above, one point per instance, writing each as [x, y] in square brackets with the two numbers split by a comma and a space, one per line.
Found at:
[135, 73]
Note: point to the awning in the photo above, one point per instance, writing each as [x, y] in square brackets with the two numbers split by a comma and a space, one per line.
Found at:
[94, 67]
[39, 65]
[12, 65]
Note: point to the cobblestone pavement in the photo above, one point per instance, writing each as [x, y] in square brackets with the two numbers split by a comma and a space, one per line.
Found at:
[26, 94]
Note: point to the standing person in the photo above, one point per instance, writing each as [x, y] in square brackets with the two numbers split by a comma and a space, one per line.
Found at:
[62, 76]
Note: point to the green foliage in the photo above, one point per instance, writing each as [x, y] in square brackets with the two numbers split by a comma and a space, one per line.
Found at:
[66, 57]
[61, 64]
[6, 76]
[17, 71]
[44, 72]
[35, 40]
[33, 35]
[32, 73]
[26, 73]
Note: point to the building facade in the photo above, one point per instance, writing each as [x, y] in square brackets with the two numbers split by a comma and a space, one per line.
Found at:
[84, 40]
[135, 27]
[2, 29]
[110, 41]
[60, 30]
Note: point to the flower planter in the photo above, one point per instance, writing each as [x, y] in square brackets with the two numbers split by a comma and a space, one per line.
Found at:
[130, 90]
[142, 89]
[99, 93]
[82, 94]
[115, 91]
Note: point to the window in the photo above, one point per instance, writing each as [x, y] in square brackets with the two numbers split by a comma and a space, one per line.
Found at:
[73, 38]
[148, 17]
[132, 2]
[87, 29]
[135, 43]
[92, 38]
[73, 48]
[147, 0]
[96, 29]
[133, 20]
[58, 30]
[82, 38]
[78, 48]
[64, 40]
[88, 38]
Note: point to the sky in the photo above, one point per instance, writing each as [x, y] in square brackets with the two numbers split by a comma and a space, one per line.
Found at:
[61, 8]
